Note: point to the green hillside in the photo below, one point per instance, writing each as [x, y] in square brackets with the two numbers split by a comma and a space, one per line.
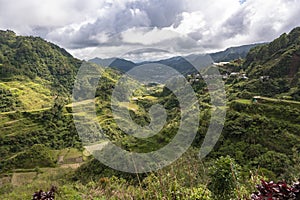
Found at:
[275, 67]
[39, 144]
[33, 72]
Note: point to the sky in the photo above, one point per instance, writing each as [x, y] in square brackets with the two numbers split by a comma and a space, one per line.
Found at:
[149, 29]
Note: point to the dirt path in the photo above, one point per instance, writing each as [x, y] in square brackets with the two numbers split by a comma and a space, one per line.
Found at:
[72, 166]
[280, 100]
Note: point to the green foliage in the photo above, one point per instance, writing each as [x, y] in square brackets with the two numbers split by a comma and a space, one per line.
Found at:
[200, 193]
[37, 156]
[274, 161]
[278, 60]
[94, 170]
[184, 179]
[8, 101]
[20, 131]
[224, 176]
[32, 57]
[166, 186]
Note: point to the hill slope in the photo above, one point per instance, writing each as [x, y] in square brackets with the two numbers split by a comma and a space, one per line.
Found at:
[33, 72]
[275, 66]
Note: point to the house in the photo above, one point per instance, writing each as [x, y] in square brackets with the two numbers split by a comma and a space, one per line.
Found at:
[255, 99]
[221, 64]
[234, 74]
[264, 78]
[244, 77]
[225, 76]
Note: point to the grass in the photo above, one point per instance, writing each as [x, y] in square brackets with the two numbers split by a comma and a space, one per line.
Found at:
[19, 179]
[10, 126]
[32, 95]
[71, 153]
[267, 99]
[80, 103]
[244, 101]
[148, 97]
[25, 181]
[95, 147]
[23, 185]
[28, 111]
[68, 155]
[129, 106]
[280, 100]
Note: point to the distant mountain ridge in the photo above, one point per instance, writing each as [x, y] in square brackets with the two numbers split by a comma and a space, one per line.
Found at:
[119, 63]
[181, 64]
[233, 53]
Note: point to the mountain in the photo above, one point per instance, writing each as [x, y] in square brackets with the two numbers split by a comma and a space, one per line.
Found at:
[274, 68]
[118, 63]
[184, 65]
[233, 53]
[178, 63]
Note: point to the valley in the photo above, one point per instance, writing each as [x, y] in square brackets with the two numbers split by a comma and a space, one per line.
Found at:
[40, 146]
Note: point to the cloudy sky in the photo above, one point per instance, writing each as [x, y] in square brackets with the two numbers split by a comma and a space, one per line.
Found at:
[131, 28]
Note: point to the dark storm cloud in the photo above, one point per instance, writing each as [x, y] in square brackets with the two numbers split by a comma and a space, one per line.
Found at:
[236, 24]
[162, 13]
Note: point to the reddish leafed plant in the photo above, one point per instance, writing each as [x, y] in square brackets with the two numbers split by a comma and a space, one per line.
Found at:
[276, 191]
[41, 195]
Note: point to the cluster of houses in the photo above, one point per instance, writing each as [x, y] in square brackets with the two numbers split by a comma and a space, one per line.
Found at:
[193, 78]
[238, 75]
[221, 64]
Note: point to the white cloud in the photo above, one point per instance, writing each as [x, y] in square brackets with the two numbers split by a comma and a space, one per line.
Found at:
[181, 26]
[25, 14]
[148, 36]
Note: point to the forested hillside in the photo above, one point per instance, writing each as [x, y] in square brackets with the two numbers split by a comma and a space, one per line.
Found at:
[275, 67]
[33, 72]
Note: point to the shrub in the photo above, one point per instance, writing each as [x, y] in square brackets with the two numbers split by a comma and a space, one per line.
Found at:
[224, 176]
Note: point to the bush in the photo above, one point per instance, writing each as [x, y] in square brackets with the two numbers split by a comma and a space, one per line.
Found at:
[37, 156]
[224, 176]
